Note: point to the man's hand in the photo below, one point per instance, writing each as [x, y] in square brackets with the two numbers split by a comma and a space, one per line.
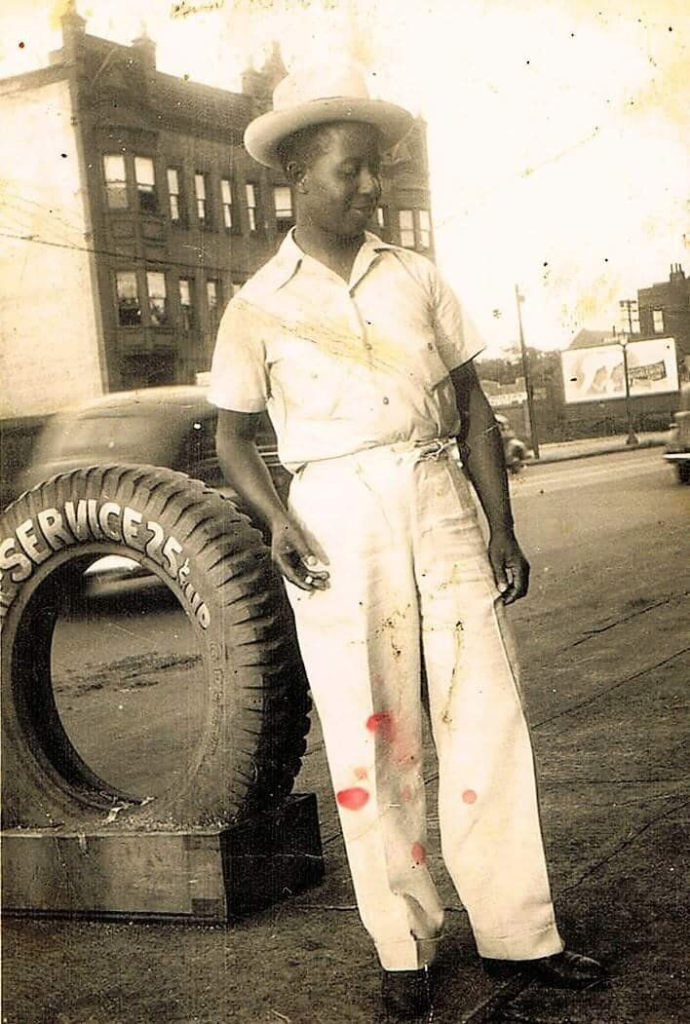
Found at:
[245, 470]
[294, 557]
[484, 461]
[510, 567]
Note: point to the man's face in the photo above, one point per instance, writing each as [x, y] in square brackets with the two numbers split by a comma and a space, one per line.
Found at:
[340, 186]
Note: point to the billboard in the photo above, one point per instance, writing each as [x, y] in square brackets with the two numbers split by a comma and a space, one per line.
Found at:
[504, 398]
[597, 374]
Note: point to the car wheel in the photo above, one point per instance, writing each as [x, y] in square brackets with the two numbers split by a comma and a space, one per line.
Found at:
[220, 571]
[683, 471]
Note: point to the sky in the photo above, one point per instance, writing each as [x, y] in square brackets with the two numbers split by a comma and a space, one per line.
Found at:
[559, 133]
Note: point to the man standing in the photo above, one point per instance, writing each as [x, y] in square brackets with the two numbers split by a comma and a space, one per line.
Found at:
[360, 353]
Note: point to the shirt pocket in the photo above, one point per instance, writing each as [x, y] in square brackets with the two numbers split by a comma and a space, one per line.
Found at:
[405, 339]
[414, 355]
[309, 382]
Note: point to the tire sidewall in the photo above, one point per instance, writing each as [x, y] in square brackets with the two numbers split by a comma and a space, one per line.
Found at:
[211, 792]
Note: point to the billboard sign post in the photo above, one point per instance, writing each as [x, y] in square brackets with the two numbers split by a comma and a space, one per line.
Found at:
[632, 436]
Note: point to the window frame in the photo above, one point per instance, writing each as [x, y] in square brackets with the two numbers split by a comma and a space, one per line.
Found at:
[188, 321]
[656, 328]
[117, 274]
[424, 230]
[179, 196]
[149, 299]
[203, 178]
[213, 308]
[108, 183]
[283, 223]
[229, 204]
[407, 230]
[253, 207]
[146, 188]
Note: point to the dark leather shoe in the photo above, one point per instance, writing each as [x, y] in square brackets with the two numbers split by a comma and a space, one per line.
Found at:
[562, 970]
[406, 995]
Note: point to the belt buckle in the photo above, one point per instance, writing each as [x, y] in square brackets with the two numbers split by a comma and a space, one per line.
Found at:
[433, 450]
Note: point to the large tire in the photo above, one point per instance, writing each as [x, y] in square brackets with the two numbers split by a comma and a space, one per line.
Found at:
[219, 569]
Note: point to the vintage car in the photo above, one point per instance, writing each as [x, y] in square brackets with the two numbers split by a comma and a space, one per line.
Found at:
[173, 427]
[678, 444]
[515, 451]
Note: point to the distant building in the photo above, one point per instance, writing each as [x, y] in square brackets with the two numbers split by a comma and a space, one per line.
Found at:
[664, 310]
[591, 339]
[500, 395]
[133, 213]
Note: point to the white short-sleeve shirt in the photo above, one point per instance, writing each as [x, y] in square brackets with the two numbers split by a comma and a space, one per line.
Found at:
[343, 366]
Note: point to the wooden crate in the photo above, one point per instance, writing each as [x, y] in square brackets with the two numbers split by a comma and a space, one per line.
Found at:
[213, 874]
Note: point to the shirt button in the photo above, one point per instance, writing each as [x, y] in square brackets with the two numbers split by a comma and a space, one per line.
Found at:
[368, 346]
[385, 400]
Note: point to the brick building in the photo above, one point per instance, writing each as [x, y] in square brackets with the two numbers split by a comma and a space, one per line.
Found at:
[664, 309]
[138, 214]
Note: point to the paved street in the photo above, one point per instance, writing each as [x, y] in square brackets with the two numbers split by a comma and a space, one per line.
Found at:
[605, 646]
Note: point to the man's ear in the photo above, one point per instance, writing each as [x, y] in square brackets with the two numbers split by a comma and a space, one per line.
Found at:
[296, 174]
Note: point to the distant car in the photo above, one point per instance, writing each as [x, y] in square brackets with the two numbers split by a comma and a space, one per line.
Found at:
[173, 427]
[515, 451]
[678, 444]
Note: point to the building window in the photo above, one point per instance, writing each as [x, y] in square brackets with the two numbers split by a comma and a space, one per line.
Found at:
[201, 201]
[158, 298]
[658, 320]
[128, 305]
[282, 199]
[424, 229]
[251, 191]
[213, 295]
[115, 181]
[187, 303]
[381, 218]
[174, 195]
[226, 196]
[146, 184]
[407, 229]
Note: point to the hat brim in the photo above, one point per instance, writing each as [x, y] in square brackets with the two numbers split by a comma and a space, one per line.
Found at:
[265, 133]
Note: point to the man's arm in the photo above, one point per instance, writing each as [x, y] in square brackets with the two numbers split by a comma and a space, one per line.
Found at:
[244, 469]
[482, 454]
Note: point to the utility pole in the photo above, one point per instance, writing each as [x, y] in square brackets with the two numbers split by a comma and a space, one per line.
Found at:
[528, 378]
[626, 306]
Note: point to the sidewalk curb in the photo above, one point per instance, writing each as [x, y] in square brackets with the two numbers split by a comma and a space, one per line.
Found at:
[592, 453]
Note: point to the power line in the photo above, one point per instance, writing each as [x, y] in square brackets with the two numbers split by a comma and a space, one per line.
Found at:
[128, 257]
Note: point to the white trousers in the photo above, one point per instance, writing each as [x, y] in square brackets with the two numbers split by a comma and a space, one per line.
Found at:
[409, 576]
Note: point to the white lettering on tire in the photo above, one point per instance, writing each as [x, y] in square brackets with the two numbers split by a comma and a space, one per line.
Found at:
[53, 529]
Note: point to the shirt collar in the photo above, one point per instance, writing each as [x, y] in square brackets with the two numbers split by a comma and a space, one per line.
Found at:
[289, 257]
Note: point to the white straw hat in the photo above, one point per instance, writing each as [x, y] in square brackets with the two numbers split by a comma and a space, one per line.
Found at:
[318, 95]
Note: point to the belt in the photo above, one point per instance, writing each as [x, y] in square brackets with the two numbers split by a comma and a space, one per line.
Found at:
[429, 450]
